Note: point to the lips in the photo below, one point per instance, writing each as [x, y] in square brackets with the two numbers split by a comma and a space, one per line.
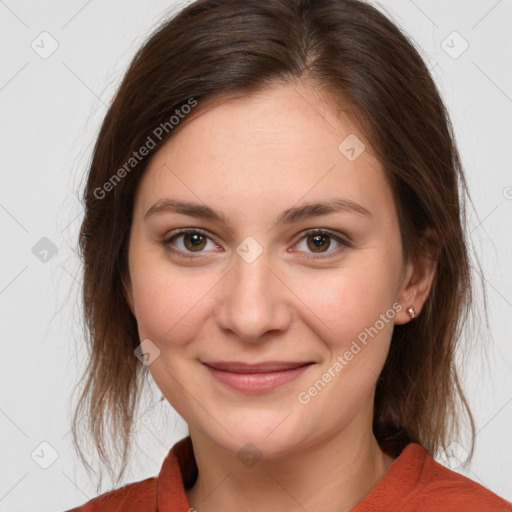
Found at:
[255, 377]
[265, 367]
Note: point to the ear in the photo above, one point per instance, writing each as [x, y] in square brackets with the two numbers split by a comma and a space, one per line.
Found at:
[417, 281]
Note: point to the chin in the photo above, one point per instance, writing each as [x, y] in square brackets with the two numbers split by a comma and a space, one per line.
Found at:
[258, 434]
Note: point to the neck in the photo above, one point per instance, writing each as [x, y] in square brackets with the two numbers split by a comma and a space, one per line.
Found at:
[334, 473]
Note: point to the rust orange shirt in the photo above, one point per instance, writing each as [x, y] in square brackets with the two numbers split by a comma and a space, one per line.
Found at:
[414, 482]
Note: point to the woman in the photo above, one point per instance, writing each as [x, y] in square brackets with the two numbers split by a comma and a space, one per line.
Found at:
[273, 229]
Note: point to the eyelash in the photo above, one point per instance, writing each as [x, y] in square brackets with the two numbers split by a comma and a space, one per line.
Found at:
[310, 232]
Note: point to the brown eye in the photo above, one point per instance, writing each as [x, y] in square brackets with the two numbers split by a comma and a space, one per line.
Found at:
[194, 242]
[188, 242]
[319, 243]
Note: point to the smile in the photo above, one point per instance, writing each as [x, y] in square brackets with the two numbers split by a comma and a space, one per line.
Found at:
[256, 378]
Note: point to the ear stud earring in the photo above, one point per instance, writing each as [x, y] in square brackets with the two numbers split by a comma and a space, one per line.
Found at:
[411, 311]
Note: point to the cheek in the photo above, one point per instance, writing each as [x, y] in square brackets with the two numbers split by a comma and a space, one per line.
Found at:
[351, 299]
[357, 307]
[168, 303]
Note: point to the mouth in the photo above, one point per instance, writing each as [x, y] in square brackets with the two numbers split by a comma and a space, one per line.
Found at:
[255, 377]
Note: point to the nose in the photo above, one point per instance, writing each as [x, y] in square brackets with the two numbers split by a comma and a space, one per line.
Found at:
[253, 301]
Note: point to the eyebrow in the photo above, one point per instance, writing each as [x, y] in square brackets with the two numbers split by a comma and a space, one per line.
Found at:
[289, 216]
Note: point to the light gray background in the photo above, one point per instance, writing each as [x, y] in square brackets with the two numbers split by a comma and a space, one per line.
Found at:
[51, 110]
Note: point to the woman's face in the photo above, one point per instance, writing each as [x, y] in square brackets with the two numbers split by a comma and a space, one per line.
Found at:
[255, 288]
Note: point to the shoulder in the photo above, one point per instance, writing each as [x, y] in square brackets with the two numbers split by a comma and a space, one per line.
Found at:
[135, 497]
[155, 493]
[446, 490]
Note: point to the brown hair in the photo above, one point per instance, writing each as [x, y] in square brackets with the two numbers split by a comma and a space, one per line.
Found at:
[360, 60]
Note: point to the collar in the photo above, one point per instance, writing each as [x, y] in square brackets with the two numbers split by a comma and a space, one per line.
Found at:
[179, 472]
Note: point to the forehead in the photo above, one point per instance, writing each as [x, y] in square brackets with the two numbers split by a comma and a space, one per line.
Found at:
[274, 147]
